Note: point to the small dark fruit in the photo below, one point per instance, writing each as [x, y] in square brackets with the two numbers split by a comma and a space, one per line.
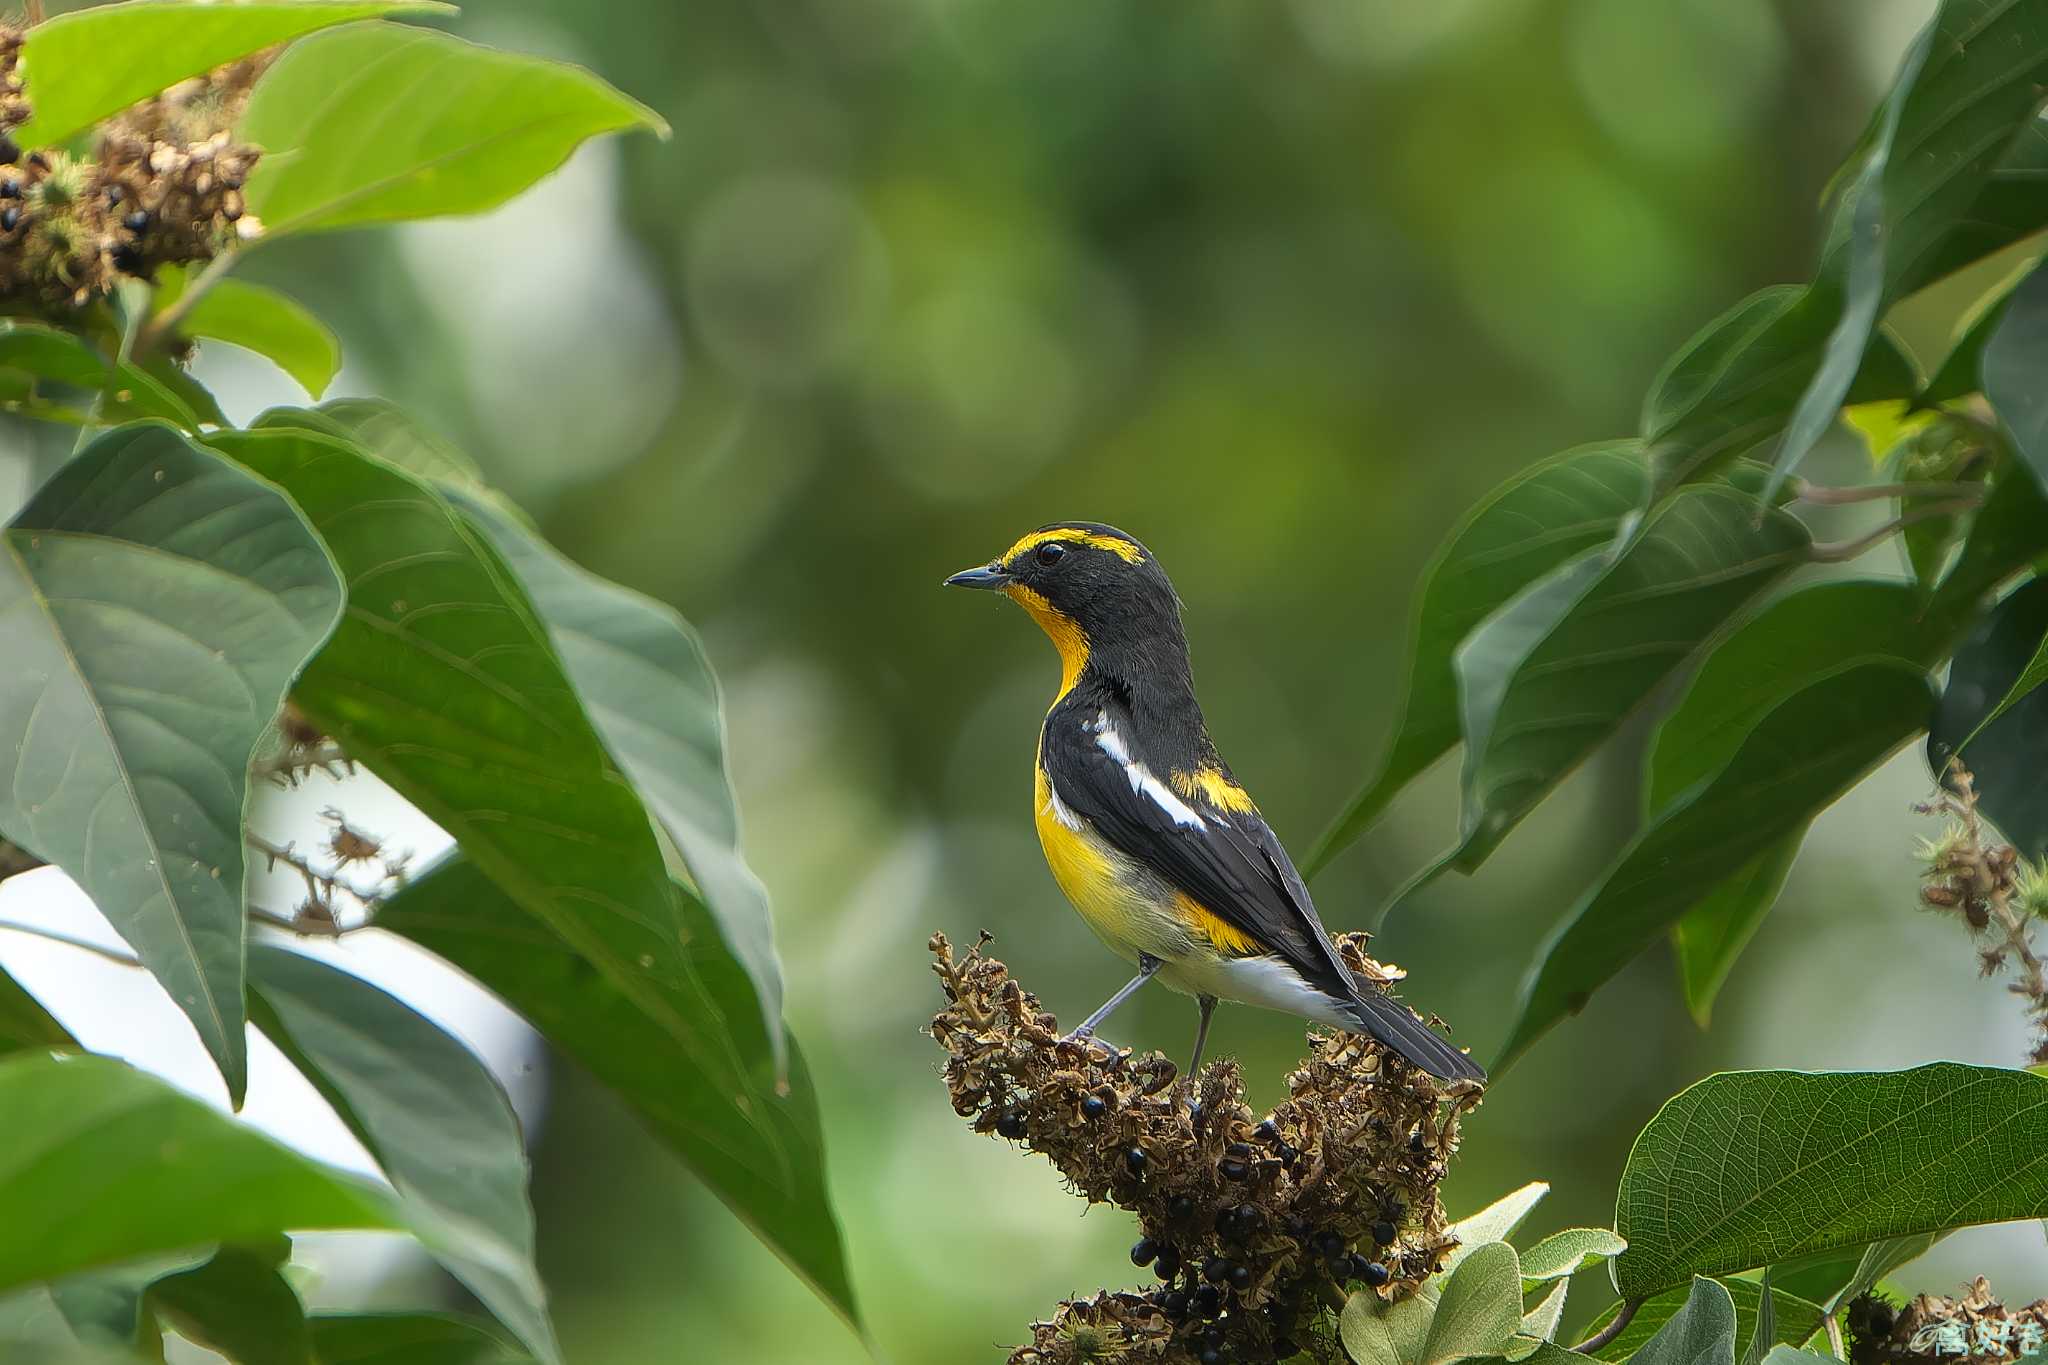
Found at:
[1230, 1168]
[1266, 1131]
[1011, 1124]
[1216, 1270]
[1092, 1107]
[135, 221]
[1134, 1161]
[1374, 1274]
[1168, 1264]
[1208, 1298]
[1210, 1356]
[1240, 1277]
[1144, 1251]
[1383, 1232]
[1180, 1206]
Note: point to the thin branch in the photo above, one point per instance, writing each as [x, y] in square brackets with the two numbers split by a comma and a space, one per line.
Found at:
[85, 945]
[166, 322]
[1835, 1342]
[1612, 1329]
[1841, 551]
[1824, 496]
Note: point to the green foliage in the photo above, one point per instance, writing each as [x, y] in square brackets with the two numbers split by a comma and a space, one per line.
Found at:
[1795, 1319]
[2014, 347]
[263, 321]
[408, 1339]
[1479, 1309]
[31, 354]
[238, 1304]
[1566, 1253]
[1702, 1332]
[1993, 716]
[24, 1023]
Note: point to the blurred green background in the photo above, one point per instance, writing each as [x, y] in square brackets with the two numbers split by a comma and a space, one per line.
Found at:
[1281, 288]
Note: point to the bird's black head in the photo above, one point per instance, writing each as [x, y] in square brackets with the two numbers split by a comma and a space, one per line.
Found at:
[1094, 589]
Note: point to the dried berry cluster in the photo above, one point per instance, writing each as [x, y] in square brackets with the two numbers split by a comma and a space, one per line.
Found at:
[1932, 1327]
[164, 188]
[1993, 890]
[1250, 1223]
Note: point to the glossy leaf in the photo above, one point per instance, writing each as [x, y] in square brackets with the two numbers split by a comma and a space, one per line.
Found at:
[409, 1339]
[1758, 1167]
[104, 1163]
[431, 1114]
[1710, 936]
[2015, 359]
[1527, 527]
[1568, 1252]
[763, 1156]
[44, 353]
[157, 602]
[1496, 1222]
[478, 126]
[1803, 755]
[1479, 1309]
[259, 319]
[239, 1305]
[89, 63]
[1992, 695]
[1700, 559]
[24, 1024]
[1797, 1318]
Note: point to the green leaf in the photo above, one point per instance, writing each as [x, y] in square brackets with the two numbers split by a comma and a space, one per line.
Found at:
[1480, 1308]
[259, 319]
[1797, 1318]
[132, 393]
[1757, 1167]
[89, 63]
[1991, 692]
[1538, 520]
[1712, 934]
[239, 1305]
[408, 1339]
[431, 1114]
[1701, 557]
[1496, 1222]
[388, 433]
[104, 1163]
[103, 1307]
[1765, 1331]
[1797, 760]
[24, 1024]
[1702, 1332]
[1541, 1321]
[1792, 1355]
[1880, 1259]
[2010, 531]
[1375, 1332]
[478, 126]
[763, 1156]
[2015, 357]
[1566, 1253]
[157, 602]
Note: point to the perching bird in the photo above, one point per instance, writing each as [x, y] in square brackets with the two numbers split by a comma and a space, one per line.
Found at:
[1146, 831]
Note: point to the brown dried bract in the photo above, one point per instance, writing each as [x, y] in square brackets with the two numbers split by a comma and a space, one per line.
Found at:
[1935, 1328]
[1249, 1222]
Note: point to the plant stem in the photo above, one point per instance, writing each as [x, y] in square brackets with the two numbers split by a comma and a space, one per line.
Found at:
[1842, 497]
[1840, 551]
[82, 944]
[1835, 1343]
[166, 322]
[1612, 1329]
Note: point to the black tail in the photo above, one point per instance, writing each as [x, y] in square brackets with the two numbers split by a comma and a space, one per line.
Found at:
[1395, 1025]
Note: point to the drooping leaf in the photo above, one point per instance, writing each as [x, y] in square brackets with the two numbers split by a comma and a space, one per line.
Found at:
[104, 1163]
[1702, 1332]
[1529, 526]
[44, 353]
[1712, 934]
[260, 319]
[157, 602]
[1479, 1310]
[1878, 1260]
[1541, 1322]
[24, 1023]
[1797, 760]
[2010, 531]
[1566, 1253]
[239, 1305]
[443, 681]
[2015, 358]
[1797, 1318]
[409, 1339]
[1753, 1168]
[431, 1114]
[82, 66]
[1765, 1331]
[1702, 557]
[762, 1156]
[479, 126]
[1496, 1222]
[1992, 695]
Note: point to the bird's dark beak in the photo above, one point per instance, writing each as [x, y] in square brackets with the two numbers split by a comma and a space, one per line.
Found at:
[991, 575]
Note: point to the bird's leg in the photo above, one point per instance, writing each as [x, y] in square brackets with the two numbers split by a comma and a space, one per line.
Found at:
[1147, 964]
[1207, 1004]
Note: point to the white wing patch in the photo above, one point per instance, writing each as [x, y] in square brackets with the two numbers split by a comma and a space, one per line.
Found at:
[1141, 777]
[1058, 809]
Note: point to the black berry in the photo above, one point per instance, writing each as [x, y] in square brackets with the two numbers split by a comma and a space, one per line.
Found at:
[1134, 1161]
[1241, 1150]
[1230, 1168]
[1240, 1277]
[136, 221]
[10, 189]
[1168, 1264]
[1215, 1270]
[1208, 1298]
[1180, 1206]
[1174, 1305]
[1144, 1251]
[1415, 1141]
[1383, 1232]
[1011, 1124]
[1288, 1153]
[1374, 1274]
[1092, 1107]
[1210, 1356]
[9, 153]
[1330, 1242]
[10, 218]
[1266, 1131]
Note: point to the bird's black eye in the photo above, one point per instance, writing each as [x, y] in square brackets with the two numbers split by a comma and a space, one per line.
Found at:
[1051, 553]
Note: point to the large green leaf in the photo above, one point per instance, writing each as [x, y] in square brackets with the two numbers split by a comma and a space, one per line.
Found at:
[256, 318]
[238, 1304]
[443, 681]
[1496, 1222]
[762, 1154]
[24, 1023]
[1375, 1332]
[1702, 556]
[1796, 1318]
[1797, 760]
[387, 432]
[430, 1113]
[2010, 531]
[1700, 1333]
[2015, 359]
[1757, 1167]
[89, 63]
[1479, 1310]
[1989, 696]
[408, 1339]
[100, 1307]
[157, 602]
[1543, 517]
[131, 393]
[376, 123]
[1712, 934]
[104, 1163]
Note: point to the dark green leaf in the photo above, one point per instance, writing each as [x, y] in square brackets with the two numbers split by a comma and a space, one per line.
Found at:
[481, 126]
[255, 318]
[1961, 372]
[103, 1307]
[1529, 526]
[1712, 934]
[239, 1305]
[388, 433]
[2011, 205]
[431, 1114]
[1878, 1260]
[87, 64]
[1756, 1167]
[763, 1156]
[104, 1163]
[1702, 556]
[1702, 1332]
[61, 358]
[1991, 689]
[1764, 1334]
[2015, 361]
[2010, 530]
[179, 383]
[1797, 1319]
[408, 1339]
[157, 602]
[24, 1024]
[1797, 760]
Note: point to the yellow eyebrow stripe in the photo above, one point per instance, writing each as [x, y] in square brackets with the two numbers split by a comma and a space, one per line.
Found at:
[1123, 549]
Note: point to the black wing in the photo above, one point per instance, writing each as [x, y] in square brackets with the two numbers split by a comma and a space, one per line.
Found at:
[1229, 862]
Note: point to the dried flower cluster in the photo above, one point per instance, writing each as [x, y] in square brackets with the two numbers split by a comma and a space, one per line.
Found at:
[1251, 1224]
[164, 187]
[1931, 1327]
[1995, 892]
